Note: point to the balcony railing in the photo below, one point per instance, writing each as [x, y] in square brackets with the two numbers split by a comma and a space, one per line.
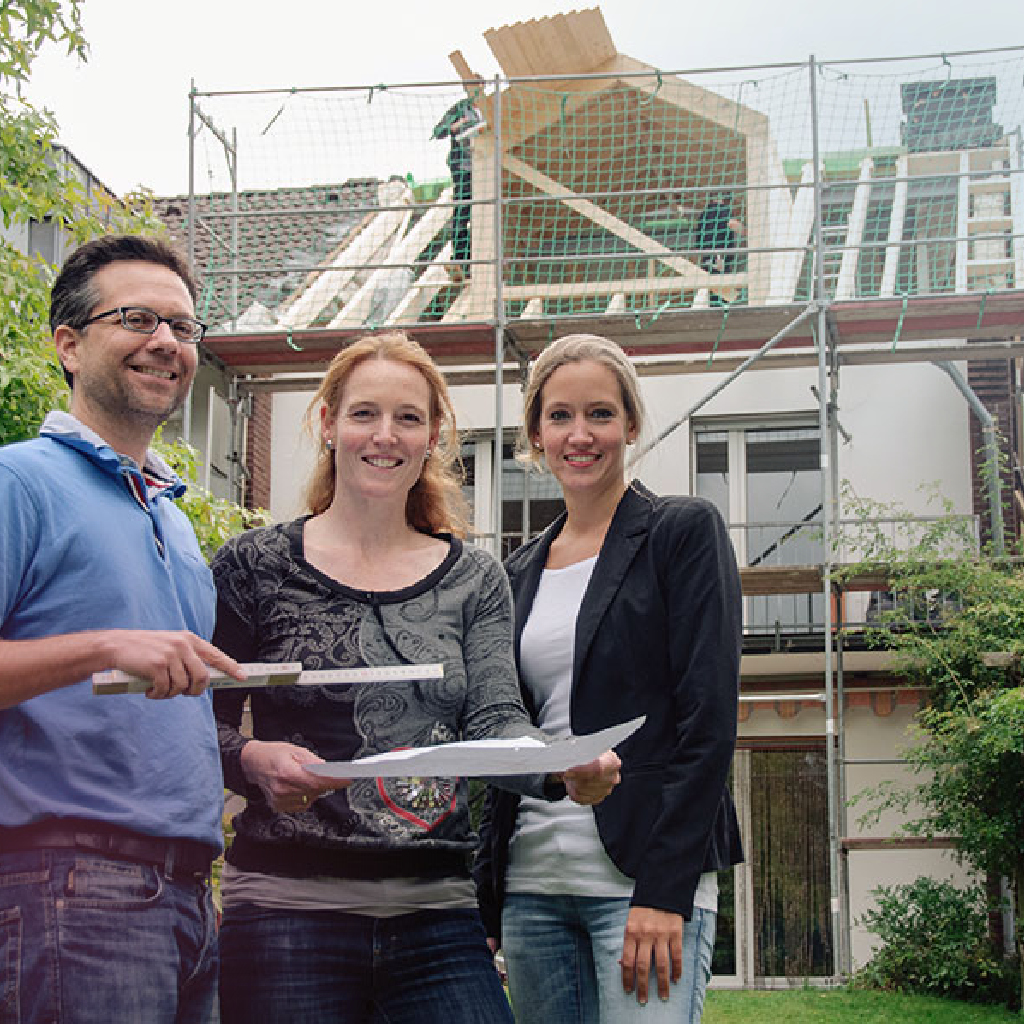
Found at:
[783, 562]
[797, 608]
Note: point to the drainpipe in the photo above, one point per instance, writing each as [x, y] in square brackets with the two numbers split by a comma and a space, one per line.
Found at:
[993, 484]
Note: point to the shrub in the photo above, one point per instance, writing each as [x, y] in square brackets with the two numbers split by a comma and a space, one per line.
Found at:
[935, 941]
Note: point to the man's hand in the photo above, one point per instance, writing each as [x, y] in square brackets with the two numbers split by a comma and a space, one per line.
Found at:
[652, 935]
[174, 662]
[276, 767]
[591, 783]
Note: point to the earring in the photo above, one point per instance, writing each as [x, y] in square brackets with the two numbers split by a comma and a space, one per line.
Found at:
[329, 444]
[537, 445]
[427, 454]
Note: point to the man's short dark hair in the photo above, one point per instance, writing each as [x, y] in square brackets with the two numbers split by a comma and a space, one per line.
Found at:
[73, 296]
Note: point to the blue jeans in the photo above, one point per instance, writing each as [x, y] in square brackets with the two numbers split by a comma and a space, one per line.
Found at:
[292, 967]
[85, 939]
[562, 955]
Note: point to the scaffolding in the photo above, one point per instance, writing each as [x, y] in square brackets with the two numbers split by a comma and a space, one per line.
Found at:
[813, 214]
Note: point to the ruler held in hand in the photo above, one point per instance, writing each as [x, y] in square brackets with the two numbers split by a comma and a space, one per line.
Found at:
[286, 674]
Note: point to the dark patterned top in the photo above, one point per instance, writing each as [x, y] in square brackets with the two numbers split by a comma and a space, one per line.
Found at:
[273, 606]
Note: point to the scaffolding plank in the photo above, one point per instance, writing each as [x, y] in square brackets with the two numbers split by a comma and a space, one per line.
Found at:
[865, 327]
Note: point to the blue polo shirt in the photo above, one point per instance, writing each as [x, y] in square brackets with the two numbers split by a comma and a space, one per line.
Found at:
[88, 541]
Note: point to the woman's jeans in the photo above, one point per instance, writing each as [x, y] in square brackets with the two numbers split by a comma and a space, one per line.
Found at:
[562, 954]
[87, 939]
[320, 967]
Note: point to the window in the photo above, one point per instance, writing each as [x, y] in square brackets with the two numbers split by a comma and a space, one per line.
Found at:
[765, 479]
[42, 240]
[530, 500]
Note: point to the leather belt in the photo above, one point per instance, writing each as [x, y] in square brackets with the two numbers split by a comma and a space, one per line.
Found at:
[178, 857]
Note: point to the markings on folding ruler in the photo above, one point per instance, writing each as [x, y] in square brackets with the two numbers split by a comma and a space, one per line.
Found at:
[371, 674]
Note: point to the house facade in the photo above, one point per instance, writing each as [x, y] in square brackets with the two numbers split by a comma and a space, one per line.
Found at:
[850, 330]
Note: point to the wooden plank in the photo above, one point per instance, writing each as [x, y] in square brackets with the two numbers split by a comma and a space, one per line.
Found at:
[527, 112]
[787, 264]
[793, 664]
[896, 217]
[847, 280]
[769, 209]
[405, 249]
[963, 200]
[429, 283]
[630, 286]
[863, 844]
[545, 49]
[780, 579]
[594, 38]
[502, 47]
[361, 249]
[568, 43]
[462, 68]
[735, 118]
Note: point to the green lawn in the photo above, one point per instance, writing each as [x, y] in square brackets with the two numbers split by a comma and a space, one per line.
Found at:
[839, 1006]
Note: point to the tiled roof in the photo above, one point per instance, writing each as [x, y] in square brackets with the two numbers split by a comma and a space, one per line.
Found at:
[281, 232]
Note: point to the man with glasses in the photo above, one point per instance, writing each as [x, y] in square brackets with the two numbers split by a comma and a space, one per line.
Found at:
[110, 806]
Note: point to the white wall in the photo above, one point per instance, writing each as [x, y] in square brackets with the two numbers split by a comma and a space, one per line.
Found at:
[291, 454]
[870, 736]
[908, 427]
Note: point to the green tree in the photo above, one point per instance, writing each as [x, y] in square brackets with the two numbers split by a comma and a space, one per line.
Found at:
[213, 519]
[957, 627]
[34, 186]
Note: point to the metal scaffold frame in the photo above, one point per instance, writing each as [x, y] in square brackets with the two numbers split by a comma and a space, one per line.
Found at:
[822, 330]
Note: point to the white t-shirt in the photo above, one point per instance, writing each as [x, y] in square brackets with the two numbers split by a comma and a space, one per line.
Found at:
[555, 847]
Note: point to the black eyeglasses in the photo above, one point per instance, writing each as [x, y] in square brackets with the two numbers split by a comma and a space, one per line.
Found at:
[141, 320]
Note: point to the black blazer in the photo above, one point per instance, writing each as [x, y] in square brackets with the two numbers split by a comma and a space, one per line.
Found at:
[659, 633]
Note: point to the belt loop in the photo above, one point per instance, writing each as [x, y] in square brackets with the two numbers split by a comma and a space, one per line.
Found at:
[169, 862]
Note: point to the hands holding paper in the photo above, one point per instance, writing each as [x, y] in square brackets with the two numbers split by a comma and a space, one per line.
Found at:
[292, 777]
[590, 783]
[277, 768]
[588, 762]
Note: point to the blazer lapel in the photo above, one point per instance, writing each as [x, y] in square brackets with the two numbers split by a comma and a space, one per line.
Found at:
[626, 534]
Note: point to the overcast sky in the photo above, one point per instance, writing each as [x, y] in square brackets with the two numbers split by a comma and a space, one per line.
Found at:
[125, 112]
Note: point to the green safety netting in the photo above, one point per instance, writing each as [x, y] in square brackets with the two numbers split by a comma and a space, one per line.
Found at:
[631, 194]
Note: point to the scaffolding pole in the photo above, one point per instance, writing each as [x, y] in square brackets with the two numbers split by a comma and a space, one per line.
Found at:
[498, 463]
[828, 530]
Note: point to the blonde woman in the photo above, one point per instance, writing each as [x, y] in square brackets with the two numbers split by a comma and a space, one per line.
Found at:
[628, 604]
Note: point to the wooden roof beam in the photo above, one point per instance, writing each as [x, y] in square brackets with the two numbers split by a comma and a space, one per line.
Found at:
[691, 273]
